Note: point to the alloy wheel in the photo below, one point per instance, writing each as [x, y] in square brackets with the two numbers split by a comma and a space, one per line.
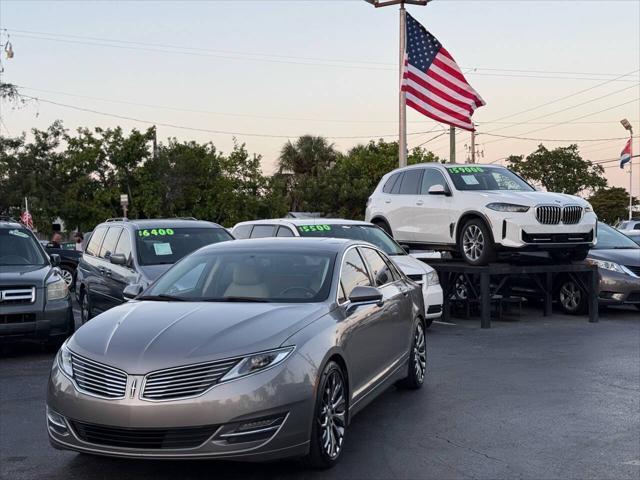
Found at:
[332, 415]
[419, 353]
[570, 296]
[67, 276]
[473, 242]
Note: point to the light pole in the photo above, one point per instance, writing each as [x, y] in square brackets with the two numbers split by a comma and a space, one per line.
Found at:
[402, 117]
[625, 123]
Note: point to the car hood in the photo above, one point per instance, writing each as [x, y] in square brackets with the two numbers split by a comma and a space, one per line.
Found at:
[410, 265]
[24, 274]
[532, 198]
[142, 336]
[625, 256]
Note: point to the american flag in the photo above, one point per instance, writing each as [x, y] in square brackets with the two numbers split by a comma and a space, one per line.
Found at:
[433, 82]
[26, 219]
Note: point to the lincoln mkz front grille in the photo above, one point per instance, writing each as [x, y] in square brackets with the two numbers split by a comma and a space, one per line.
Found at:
[553, 214]
[98, 379]
[188, 381]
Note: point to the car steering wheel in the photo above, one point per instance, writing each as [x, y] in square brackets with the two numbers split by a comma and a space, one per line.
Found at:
[305, 290]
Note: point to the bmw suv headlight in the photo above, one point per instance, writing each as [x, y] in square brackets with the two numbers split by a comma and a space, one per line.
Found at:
[607, 265]
[432, 278]
[257, 362]
[64, 360]
[57, 290]
[508, 207]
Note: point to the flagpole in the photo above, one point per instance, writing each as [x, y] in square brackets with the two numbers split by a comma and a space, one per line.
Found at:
[402, 133]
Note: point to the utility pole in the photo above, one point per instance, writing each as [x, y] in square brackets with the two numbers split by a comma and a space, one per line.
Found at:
[452, 144]
[625, 123]
[402, 103]
[473, 146]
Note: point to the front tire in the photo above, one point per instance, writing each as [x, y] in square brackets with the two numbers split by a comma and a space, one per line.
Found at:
[476, 243]
[417, 368]
[329, 419]
[571, 298]
[85, 307]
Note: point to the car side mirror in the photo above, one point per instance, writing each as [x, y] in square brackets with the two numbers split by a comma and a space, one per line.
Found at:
[55, 259]
[132, 291]
[438, 190]
[118, 259]
[363, 295]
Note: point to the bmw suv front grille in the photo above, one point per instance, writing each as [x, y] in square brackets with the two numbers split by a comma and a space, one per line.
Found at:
[187, 381]
[553, 214]
[98, 379]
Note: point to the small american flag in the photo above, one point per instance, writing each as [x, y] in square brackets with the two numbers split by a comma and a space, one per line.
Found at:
[26, 219]
[433, 82]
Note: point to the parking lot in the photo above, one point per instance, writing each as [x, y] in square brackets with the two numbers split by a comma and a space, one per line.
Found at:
[533, 397]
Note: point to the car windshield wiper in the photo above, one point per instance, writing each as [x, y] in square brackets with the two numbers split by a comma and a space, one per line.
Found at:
[163, 297]
[236, 299]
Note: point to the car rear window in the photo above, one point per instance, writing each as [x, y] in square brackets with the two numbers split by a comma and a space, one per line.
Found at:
[166, 245]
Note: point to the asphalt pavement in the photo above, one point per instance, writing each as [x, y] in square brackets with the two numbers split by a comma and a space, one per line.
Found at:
[531, 398]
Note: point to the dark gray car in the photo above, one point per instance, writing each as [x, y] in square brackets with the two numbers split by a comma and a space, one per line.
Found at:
[618, 260]
[247, 350]
[125, 252]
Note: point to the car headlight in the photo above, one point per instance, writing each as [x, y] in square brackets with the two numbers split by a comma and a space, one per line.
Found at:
[607, 265]
[258, 362]
[57, 290]
[64, 360]
[508, 207]
[432, 279]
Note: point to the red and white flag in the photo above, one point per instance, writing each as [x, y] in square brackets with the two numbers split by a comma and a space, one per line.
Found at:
[432, 81]
[625, 155]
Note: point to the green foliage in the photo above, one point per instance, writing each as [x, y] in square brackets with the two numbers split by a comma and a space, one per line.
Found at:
[611, 204]
[79, 177]
[559, 170]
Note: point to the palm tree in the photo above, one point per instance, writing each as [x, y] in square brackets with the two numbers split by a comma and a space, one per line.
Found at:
[306, 156]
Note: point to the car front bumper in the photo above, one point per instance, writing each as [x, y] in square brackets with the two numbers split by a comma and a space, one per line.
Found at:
[618, 289]
[432, 301]
[522, 231]
[48, 322]
[284, 391]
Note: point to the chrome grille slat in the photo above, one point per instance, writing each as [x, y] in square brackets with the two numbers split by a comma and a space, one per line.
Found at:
[98, 379]
[555, 214]
[181, 382]
[17, 294]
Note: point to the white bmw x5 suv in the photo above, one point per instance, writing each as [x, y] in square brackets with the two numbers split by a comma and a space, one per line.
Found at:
[478, 210]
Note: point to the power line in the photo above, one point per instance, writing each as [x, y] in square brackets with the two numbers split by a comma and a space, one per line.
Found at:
[206, 130]
[287, 59]
[553, 140]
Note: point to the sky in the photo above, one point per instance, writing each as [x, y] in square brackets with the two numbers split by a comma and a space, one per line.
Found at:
[266, 71]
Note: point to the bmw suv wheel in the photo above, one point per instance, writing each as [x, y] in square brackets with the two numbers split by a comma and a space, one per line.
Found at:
[476, 243]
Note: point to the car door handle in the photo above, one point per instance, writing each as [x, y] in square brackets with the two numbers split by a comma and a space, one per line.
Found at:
[108, 273]
[101, 270]
[387, 201]
[419, 202]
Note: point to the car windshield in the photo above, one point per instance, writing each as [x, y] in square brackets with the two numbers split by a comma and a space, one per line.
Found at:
[367, 233]
[247, 276]
[487, 178]
[610, 238]
[162, 246]
[19, 247]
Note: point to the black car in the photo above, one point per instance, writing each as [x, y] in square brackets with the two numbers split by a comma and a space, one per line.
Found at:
[34, 298]
[124, 252]
[69, 258]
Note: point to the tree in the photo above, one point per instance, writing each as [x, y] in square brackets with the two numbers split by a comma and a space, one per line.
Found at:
[611, 204]
[559, 170]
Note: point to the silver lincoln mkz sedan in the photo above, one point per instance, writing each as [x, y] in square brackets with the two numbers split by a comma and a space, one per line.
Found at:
[247, 350]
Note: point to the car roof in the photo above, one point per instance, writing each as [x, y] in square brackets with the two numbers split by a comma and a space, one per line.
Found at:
[11, 224]
[161, 223]
[304, 221]
[286, 244]
[446, 165]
